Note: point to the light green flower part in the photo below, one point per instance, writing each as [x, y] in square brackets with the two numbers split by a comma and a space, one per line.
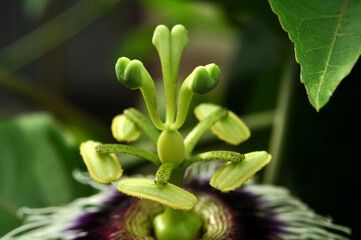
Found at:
[103, 168]
[133, 75]
[124, 129]
[201, 81]
[233, 174]
[170, 45]
[230, 129]
[170, 147]
[168, 195]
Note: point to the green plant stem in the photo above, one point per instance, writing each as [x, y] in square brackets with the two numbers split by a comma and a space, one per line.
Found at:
[198, 131]
[143, 123]
[184, 100]
[126, 149]
[214, 155]
[280, 121]
[53, 33]
[150, 98]
[177, 176]
[164, 173]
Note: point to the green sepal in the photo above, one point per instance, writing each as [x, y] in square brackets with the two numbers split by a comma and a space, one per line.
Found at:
[230, 129]
[124, 129]
[169, 195]
[103, 168]
[232, 175]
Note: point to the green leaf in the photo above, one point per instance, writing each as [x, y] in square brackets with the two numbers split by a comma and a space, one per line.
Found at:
[169, 195]
[230, 129]
[232, 174]
[36, 163]
[327, 38]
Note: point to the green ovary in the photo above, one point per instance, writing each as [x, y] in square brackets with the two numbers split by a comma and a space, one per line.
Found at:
[170, 147]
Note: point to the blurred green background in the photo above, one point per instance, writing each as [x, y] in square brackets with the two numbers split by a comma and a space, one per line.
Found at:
[58, 88]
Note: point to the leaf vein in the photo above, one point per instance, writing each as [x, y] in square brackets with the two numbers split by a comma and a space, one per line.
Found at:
[330, 53]
[348, 33]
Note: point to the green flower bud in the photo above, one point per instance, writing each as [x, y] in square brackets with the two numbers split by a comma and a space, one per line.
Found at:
[103, 168]
[124, 129]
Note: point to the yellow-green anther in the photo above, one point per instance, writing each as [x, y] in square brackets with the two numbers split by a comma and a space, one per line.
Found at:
[230, 129]
[170, 147]
[168, 195]
[133, 75]
[143, 123]
[124, 129]
[103, 168]
[216, 155]
[163, 174]
[232, 174]
[170, 45]
[201, 81]
[126, 149]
